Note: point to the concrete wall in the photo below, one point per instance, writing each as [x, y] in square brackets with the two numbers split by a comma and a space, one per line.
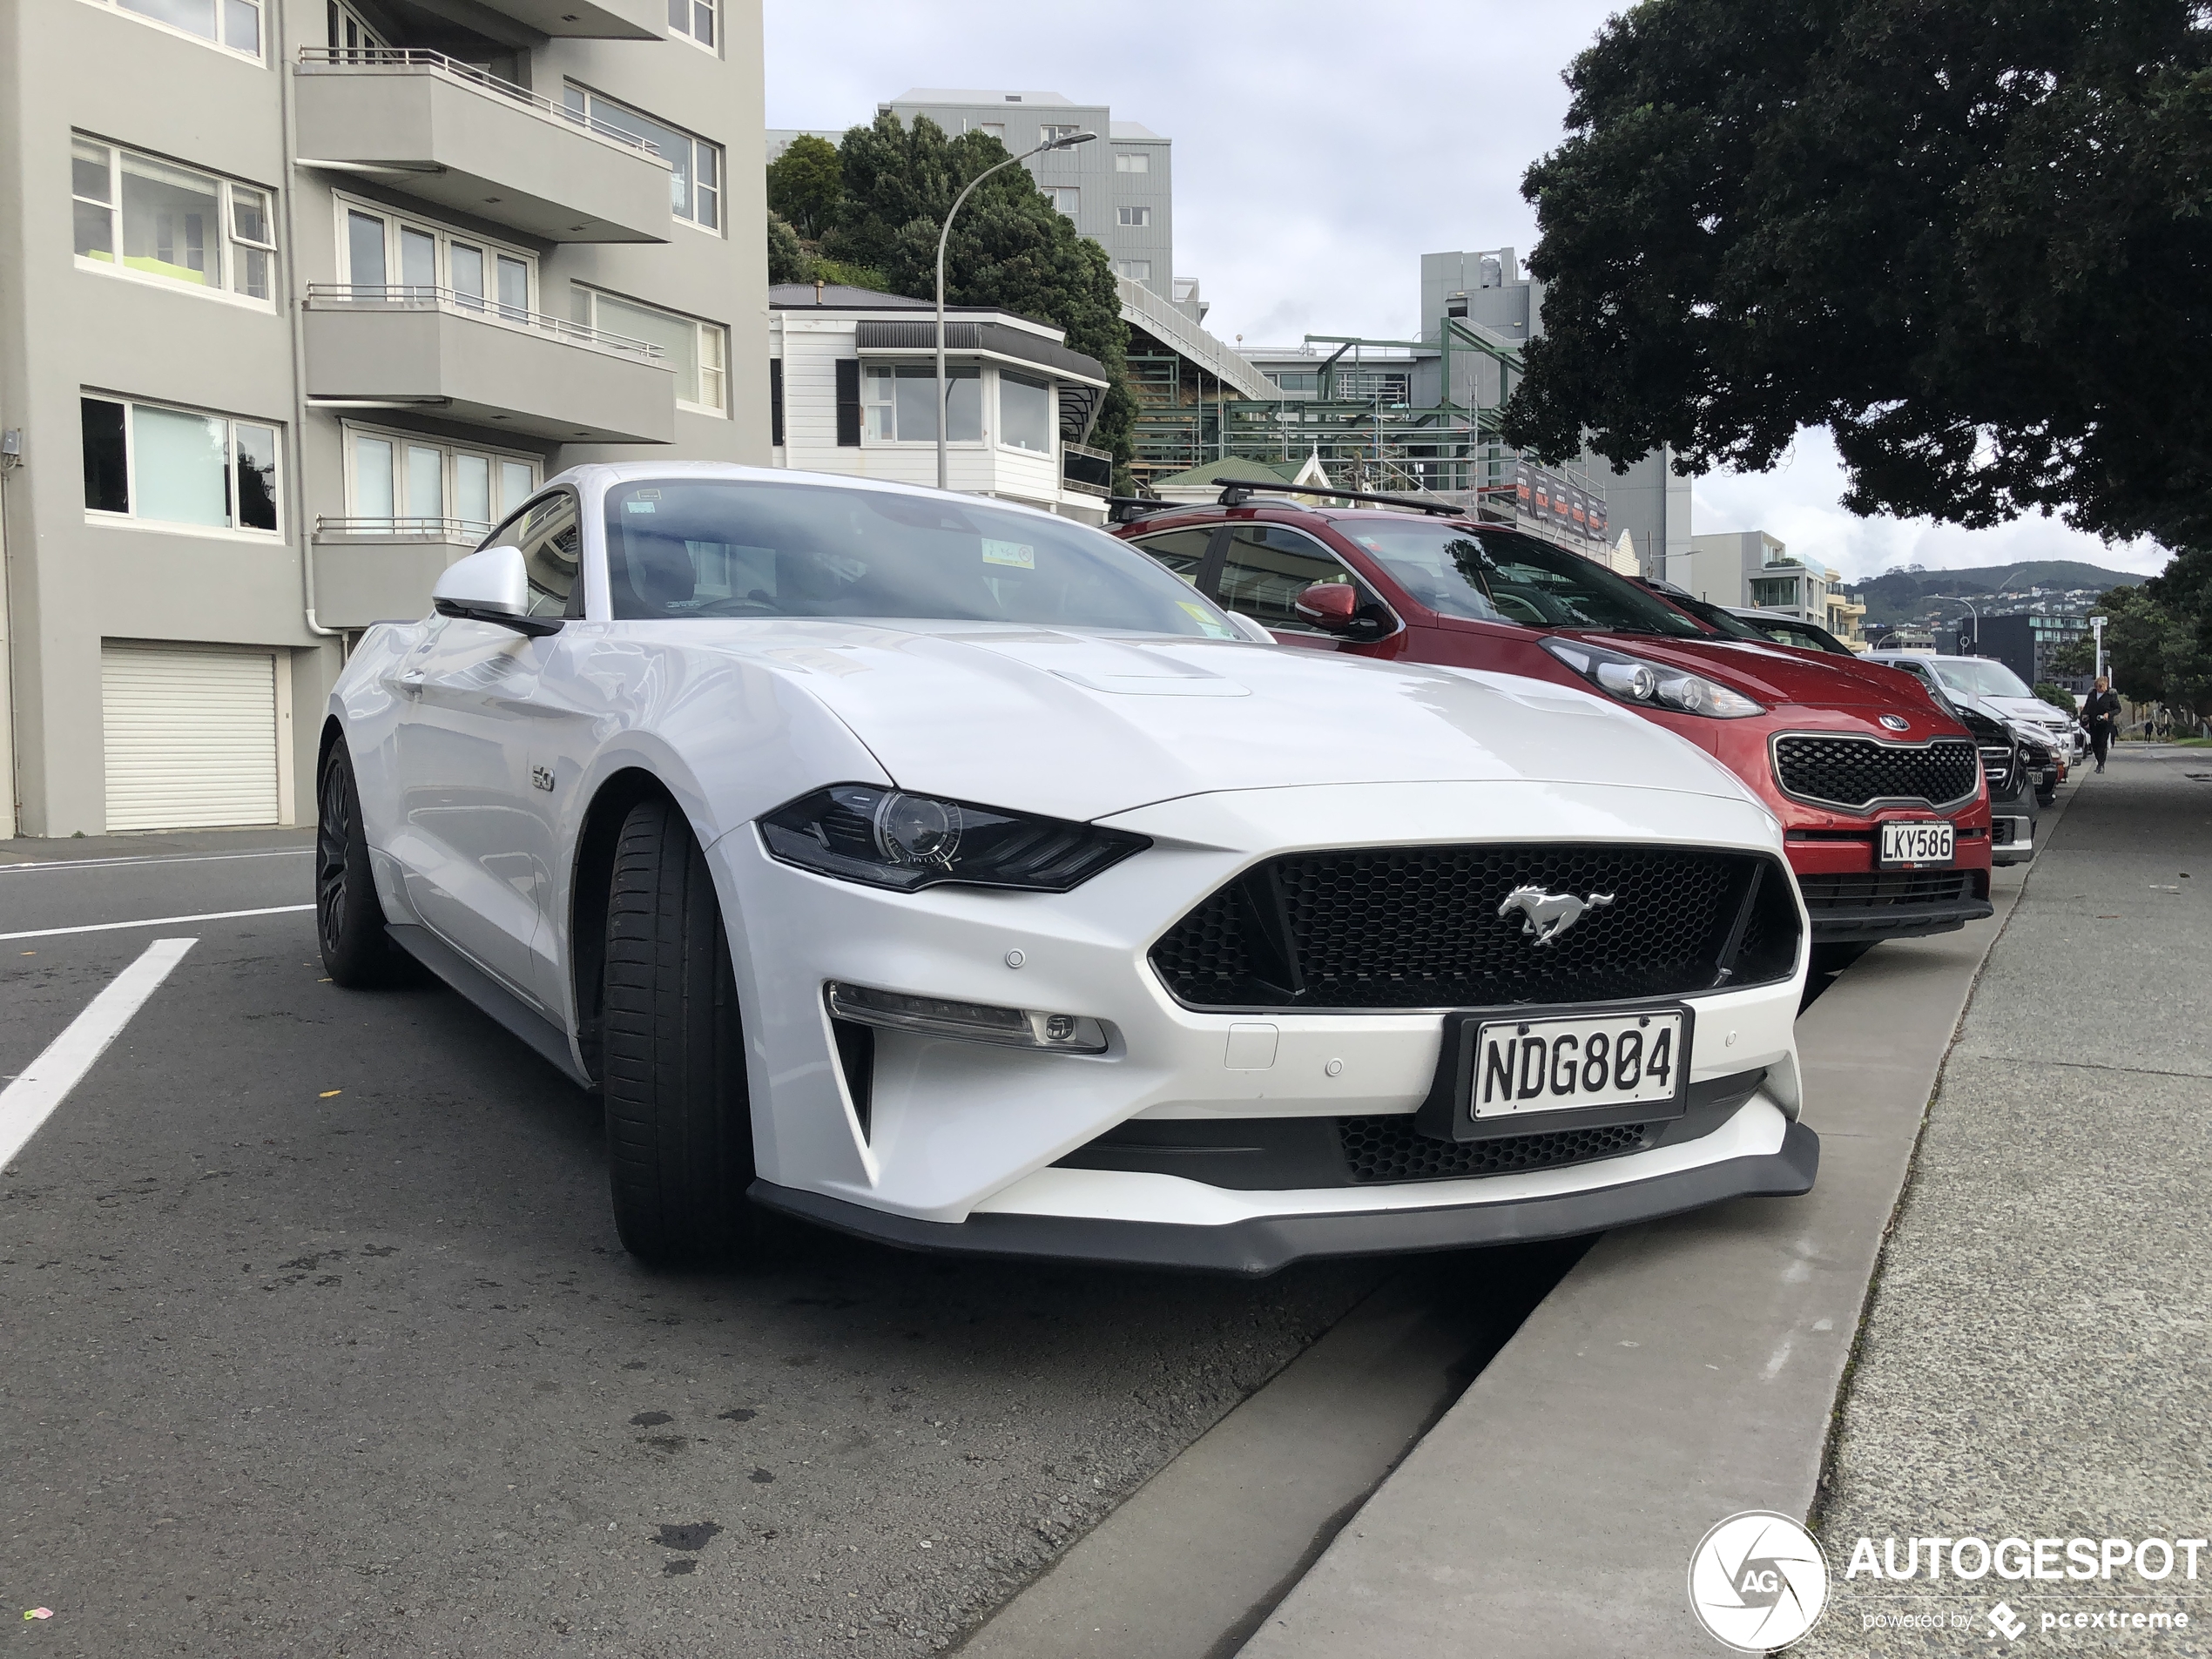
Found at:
[78, 64]
[1651, 501]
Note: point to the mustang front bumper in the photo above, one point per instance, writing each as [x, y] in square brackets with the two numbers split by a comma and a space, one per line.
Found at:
[963, 1145]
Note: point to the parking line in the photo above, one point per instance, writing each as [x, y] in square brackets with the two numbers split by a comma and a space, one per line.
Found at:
[28, 1101]
[159, 921]
[174, 858]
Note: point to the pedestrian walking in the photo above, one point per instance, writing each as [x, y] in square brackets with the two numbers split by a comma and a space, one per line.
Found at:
[2100, 714]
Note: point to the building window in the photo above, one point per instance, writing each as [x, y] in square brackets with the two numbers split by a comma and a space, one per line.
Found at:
[410, 259]
[1132, 161]
[233, 24]
[698, 351]
[1066, 198]
[1025, 413]
[996, 129]
[349, 33]
[1135, 270]
[898, 403]
[694, 20]
[399, 482]
[694, 187]
[136, 213]
[1053, 135]
[170, 466]
[1139, 216]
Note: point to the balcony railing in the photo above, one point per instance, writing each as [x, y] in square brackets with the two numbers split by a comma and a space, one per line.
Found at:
[1087, 470]
[399, 530]
[342, 296]
[374, 57]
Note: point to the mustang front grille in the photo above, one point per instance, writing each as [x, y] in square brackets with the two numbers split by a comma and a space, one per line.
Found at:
[1380, 928]
[1854, 773]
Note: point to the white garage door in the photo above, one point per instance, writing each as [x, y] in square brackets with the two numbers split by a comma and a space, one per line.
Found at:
[192, 736]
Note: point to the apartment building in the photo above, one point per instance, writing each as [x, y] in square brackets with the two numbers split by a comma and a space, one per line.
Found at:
[301, 298]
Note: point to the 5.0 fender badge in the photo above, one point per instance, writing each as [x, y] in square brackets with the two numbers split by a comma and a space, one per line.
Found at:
[542, 777]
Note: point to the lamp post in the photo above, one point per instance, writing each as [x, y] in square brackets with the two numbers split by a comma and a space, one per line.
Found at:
[943, 401]
[2097, 627]
[1976, 615]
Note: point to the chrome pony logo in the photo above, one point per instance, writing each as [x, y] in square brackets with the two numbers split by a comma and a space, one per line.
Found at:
[1549, 914]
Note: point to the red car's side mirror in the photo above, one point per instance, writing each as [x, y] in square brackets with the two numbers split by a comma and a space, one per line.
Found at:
[1328, 606]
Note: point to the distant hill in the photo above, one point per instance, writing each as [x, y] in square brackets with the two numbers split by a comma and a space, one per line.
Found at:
[1907, 596]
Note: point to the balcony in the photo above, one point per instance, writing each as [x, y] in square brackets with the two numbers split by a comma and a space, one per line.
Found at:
[1087, 471]
[587, 19]
[494, 366]
[446, 132]
[381, 569]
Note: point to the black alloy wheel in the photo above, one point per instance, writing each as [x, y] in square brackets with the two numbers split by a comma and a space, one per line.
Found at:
[349, 919]
[673, 1061]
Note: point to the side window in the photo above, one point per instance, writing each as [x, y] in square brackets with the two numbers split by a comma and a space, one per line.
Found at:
[1269, 565]
[1178, 552]
[552, 545]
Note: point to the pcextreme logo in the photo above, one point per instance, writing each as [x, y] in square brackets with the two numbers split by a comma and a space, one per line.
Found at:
[1758, 1582]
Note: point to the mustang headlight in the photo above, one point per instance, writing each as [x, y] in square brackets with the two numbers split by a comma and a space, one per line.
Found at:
[890, 838]
[1651, 684]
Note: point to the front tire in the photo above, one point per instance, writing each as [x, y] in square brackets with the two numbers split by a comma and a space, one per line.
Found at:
[357, 950]
[679, 1121]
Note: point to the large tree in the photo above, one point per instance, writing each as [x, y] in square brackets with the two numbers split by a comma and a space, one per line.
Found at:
[1974, 241]
[1010, 247]
[804, 185]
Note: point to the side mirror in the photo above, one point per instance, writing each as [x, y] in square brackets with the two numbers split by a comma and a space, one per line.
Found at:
[491, 586]
[1329, 606]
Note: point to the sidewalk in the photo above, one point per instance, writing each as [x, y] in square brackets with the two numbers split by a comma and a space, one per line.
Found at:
[2035, 1362]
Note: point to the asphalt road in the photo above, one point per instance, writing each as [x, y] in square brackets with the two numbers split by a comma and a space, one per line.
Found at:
[315, 1337]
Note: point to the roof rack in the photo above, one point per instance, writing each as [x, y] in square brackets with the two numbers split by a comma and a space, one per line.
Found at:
[1127, 509]
[1237, 491]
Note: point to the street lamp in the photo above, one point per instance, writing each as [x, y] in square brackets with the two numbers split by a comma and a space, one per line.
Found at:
[2097, 626]
[1976, 615]
[1067, 143]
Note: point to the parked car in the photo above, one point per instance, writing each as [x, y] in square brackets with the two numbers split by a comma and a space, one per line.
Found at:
[941, 871]
[1997, 691]
[1790, 630]
[1878, 789]
[2014, 765]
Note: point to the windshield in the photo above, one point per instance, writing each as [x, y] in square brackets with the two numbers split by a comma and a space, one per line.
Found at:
[1714, 617]
[681, 548]
[1979, 677]
[1496, 575]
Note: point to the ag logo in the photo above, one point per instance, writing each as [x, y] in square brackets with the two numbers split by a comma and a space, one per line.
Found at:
[1758, 1582]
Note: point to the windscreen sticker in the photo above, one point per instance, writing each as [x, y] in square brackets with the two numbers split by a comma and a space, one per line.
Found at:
[1205, 620]
[641, 506]
[1019, 555]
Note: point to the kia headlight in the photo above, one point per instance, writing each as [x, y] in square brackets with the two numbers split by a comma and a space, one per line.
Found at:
[889, 838]
[1651, 685]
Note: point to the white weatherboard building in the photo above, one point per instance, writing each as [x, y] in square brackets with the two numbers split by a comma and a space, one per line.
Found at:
[853, 389]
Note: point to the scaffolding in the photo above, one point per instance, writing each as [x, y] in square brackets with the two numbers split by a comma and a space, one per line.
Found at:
[1361, 420]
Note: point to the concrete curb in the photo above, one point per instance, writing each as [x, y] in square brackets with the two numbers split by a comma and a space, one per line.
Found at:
[1682, 1371]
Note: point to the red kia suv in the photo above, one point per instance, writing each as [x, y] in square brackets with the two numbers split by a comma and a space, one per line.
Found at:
[1879, 791]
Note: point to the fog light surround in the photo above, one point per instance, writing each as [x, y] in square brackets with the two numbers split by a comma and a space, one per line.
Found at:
[937, 1016]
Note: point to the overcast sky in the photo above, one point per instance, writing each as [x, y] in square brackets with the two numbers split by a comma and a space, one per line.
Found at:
[1319, 152]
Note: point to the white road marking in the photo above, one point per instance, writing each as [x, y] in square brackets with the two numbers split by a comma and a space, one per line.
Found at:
[159, 921]
[177, 857]
[28, 1101]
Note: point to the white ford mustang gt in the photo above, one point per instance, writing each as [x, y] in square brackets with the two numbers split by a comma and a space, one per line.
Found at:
[946, 873]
